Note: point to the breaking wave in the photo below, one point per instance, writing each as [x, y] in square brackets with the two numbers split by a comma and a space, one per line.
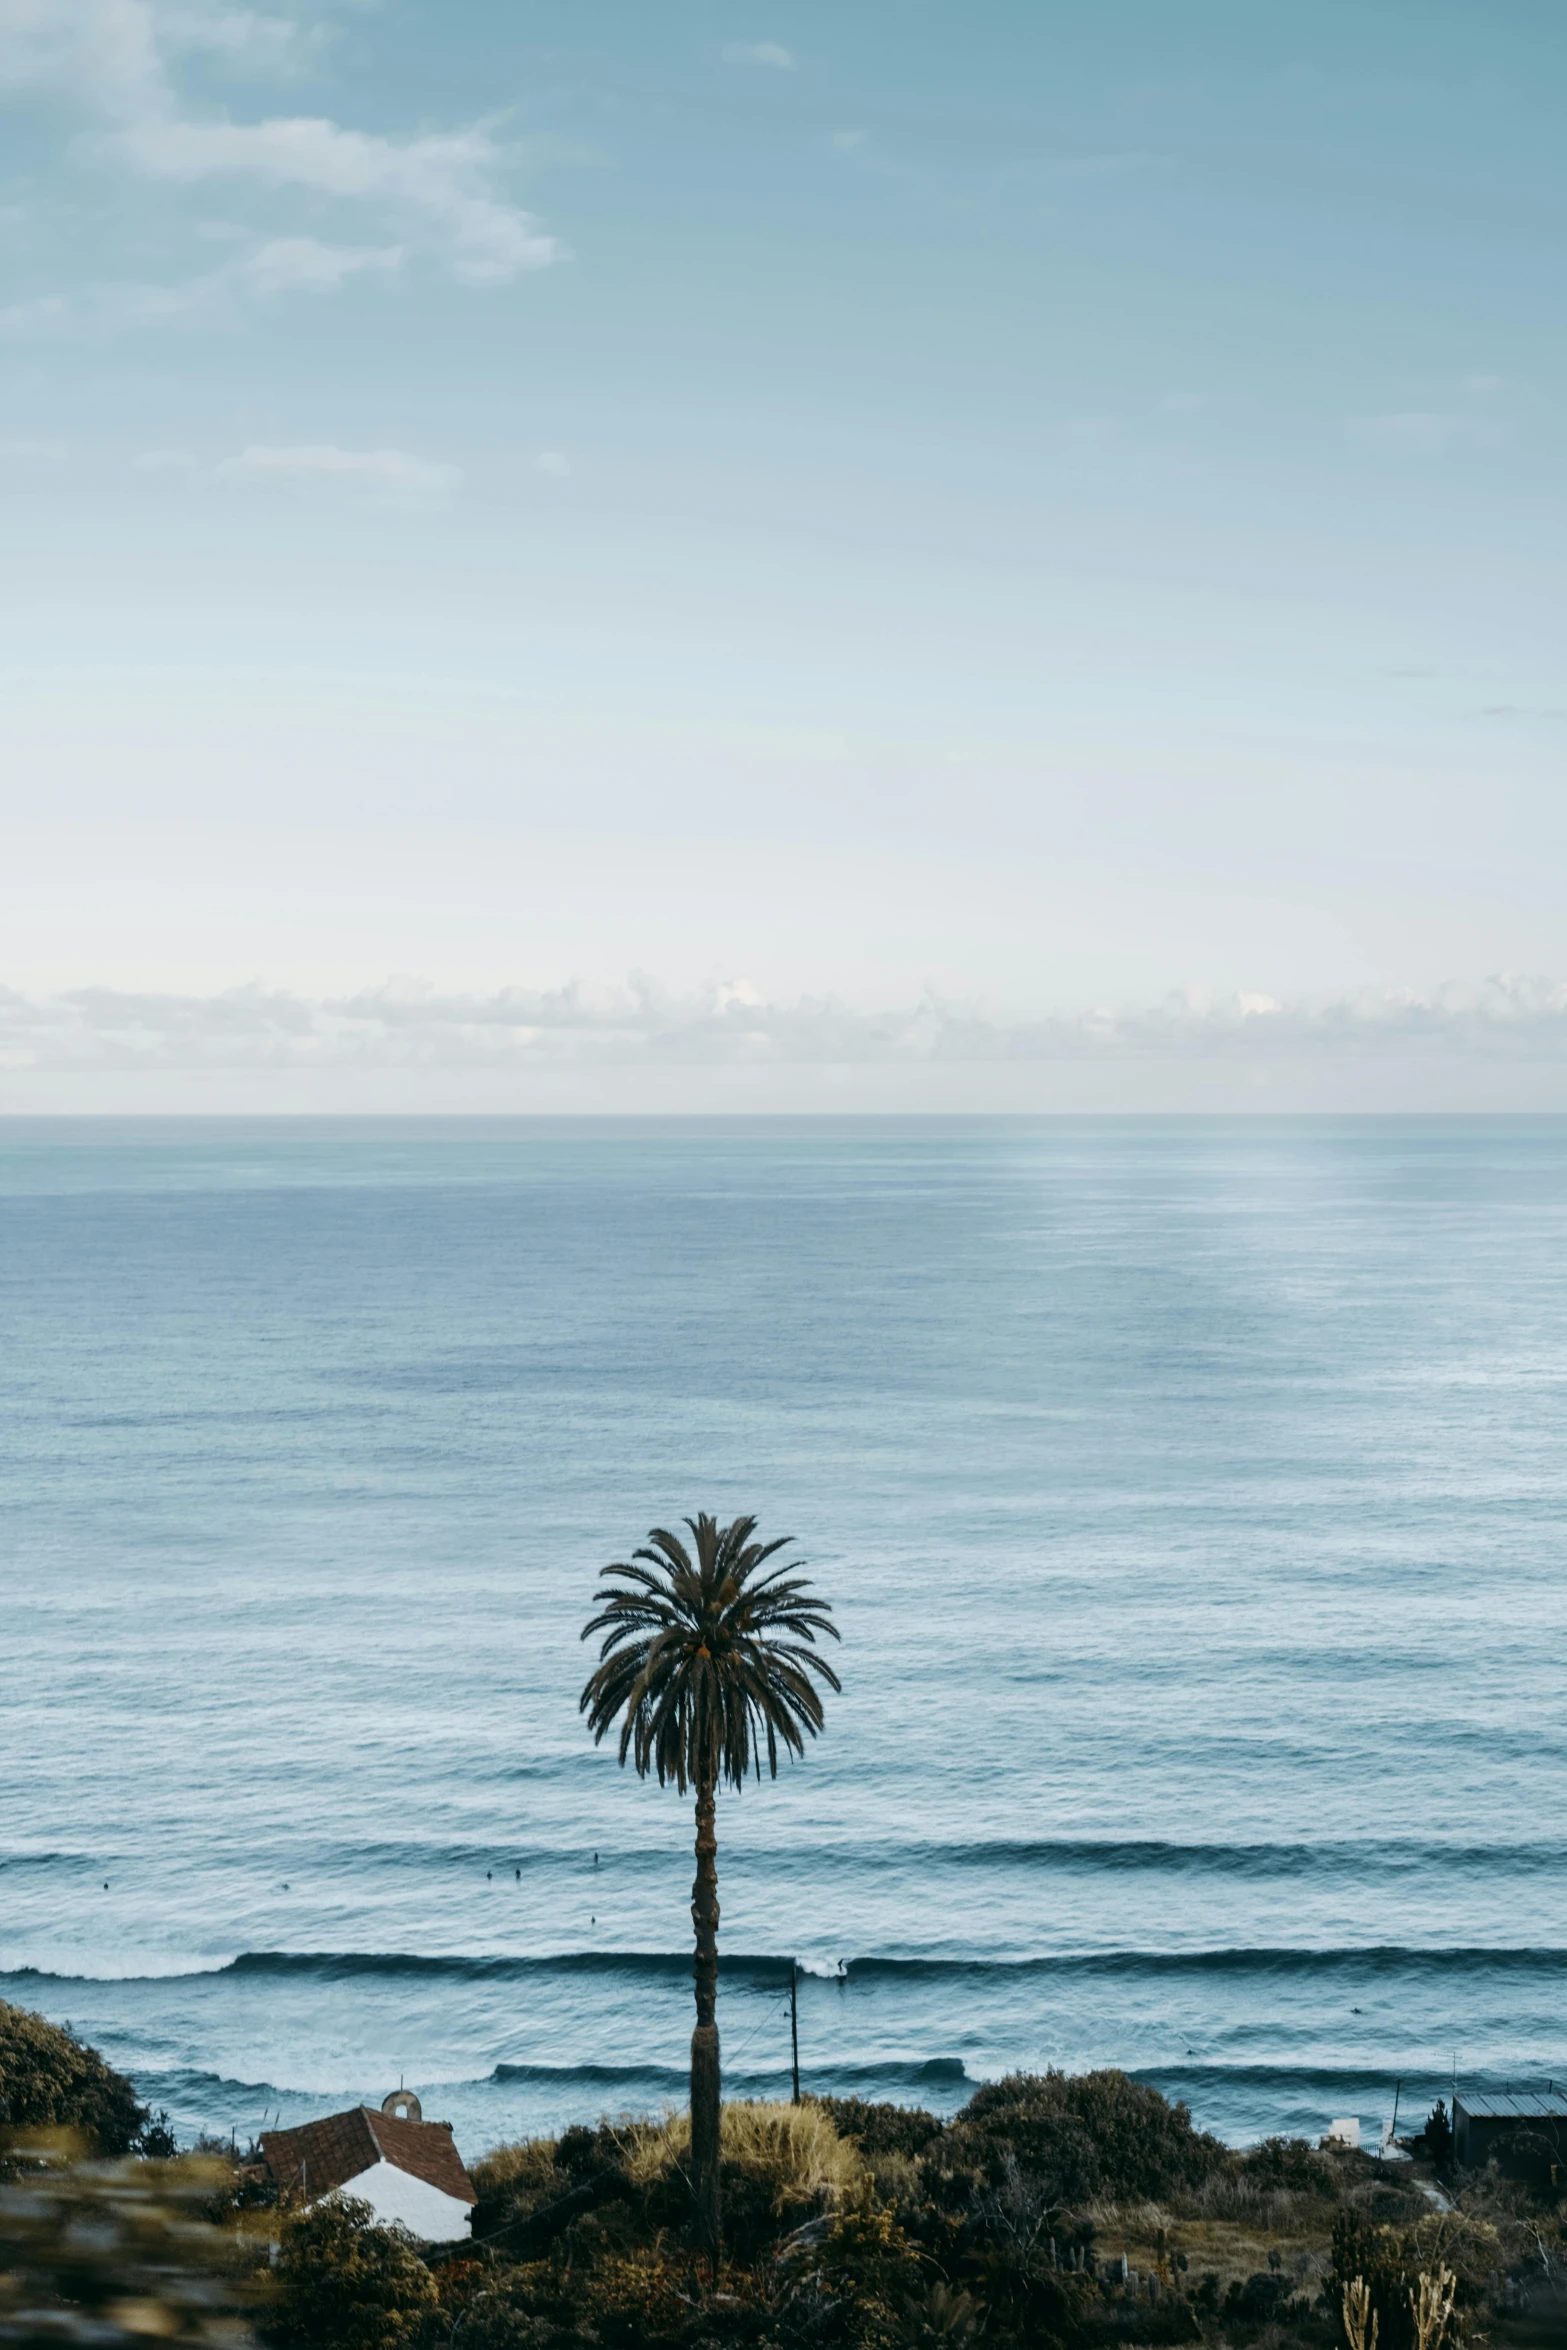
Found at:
[770, 1968]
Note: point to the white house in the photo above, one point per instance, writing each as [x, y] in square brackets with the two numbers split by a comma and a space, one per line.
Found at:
[405, 2168]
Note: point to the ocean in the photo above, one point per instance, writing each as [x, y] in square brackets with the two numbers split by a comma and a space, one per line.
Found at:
[1190, 1494]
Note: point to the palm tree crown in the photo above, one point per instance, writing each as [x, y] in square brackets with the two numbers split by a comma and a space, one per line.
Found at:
[706, 1660]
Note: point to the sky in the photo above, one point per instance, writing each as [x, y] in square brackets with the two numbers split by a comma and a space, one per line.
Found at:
[583, 554]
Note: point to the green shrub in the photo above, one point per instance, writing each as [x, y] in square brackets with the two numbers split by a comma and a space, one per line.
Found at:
[1293, 2165]
[866, 2273]
[1392, 2261]
[525, 2307]
[525, 2168]
[1080, 2136]
[1262, 2300]
[580, 2153]
[513, 2183]
[881, 2129]
[343, 2283]
[491, 2322]
[51, 2080]
[943, 2314]
[155, 2139]
[532, 2192]
[635, 2298]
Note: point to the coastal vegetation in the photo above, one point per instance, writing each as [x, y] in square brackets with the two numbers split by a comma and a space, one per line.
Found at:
[706, 1662]
[1052, 2213]
[51, 2080]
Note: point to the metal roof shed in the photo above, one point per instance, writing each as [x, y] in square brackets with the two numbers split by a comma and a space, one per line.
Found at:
[1525, 2130]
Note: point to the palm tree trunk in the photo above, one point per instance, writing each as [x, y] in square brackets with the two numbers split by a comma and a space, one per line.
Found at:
[705, 2086]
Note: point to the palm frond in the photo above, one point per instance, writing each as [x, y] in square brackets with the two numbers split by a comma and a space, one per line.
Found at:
[705, 1660]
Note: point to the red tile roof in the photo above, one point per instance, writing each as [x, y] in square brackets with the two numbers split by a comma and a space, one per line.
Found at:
[333, 2152]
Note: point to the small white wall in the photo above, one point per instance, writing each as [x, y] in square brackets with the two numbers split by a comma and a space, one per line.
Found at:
[423, 2210]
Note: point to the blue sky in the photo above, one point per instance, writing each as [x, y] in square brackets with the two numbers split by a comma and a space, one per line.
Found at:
[1025, 510]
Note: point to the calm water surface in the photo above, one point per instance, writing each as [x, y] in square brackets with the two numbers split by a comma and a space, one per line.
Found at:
[1191, 1495]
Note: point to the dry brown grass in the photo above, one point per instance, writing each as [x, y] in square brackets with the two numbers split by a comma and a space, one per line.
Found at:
[794, 2147]
[526, 2168]
[1232, 2249]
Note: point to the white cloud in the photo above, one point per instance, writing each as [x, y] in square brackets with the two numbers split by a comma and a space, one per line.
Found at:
[270, 44]
[305, 265]
[281, 265]
[101, 54]
[1423, 432]
[44, 314]
[406, 1025]
[437, 182]
[101, 310]
[110, 59]
[392, 469]
[766, 53]
[109, 55]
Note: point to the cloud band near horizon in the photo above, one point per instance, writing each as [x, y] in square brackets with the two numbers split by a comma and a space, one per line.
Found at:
[402, 1025]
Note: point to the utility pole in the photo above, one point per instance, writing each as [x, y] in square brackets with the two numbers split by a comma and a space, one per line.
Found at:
[794, 2022]
[1391, 2139]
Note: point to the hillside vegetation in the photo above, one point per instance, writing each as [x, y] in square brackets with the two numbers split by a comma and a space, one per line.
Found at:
[51, 2080]
[1052, 2213]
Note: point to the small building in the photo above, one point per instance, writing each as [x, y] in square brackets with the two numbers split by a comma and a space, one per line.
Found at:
[1525, 2131]
[407, 2169]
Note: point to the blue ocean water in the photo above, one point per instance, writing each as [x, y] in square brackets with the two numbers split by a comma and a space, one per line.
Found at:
[1190, 1494]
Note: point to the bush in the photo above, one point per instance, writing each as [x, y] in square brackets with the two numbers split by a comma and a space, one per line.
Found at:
[499, 2307]
[881, 2129]
[1078, 2137]
[532, 2192]
[1259, 2301]
[51, 2080]
[491, 2322]
[1293, 2166]
[155, 2139]
[524, 2168]
[513, 2183]
[857, 2283]
[1390, 2263]
[343, 2283]
[636, 2297]
[943, 2315]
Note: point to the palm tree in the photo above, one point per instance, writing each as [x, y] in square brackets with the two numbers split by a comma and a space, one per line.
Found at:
[704, 1661]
